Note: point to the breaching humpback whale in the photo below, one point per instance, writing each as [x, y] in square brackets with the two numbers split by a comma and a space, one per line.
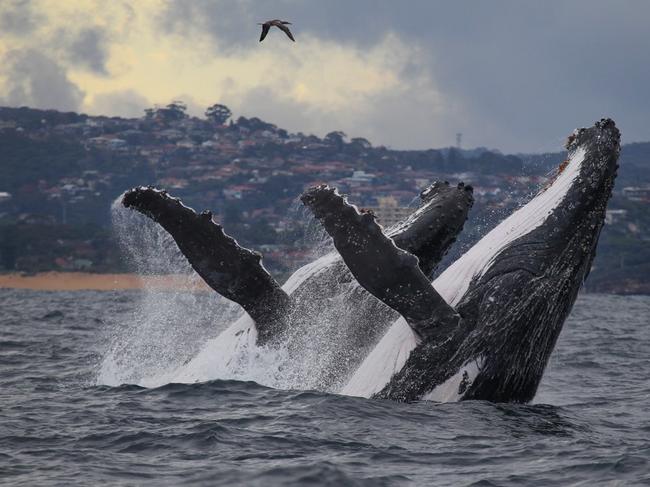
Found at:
[486, 327]
[274, 311]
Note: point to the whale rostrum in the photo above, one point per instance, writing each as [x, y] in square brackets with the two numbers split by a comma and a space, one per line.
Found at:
[484, 329]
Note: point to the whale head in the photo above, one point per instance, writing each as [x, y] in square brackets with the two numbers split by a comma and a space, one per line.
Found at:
[516, 286]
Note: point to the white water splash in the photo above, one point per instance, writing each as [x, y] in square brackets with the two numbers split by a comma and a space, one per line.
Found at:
[169, 325]
[180, 336]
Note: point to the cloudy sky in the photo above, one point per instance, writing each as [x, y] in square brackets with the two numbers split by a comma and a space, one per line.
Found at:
[517, 75]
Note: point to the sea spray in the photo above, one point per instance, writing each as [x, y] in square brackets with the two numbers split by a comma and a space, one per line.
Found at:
[181, 336]
[305, 234]
[169, 326]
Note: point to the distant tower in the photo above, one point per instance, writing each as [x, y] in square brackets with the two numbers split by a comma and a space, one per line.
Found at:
[459, 138]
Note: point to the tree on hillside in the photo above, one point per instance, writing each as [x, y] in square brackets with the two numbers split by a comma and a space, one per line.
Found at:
[231, 214]
[429, 160]
[176, 110]
[454, 160]
[361, 143]
[218, 113]
[254, 124]
[336, 139]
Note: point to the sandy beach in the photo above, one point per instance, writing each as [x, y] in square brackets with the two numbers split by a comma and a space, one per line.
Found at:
[80, 281]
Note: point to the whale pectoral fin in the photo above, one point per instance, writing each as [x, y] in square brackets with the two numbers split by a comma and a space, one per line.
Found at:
[389, 273]
[233, 271]
[432, 228]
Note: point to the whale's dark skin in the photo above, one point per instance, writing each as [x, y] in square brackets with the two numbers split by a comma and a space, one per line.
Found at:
[361, 318]
[231, 270]
[388, 272]
[510, 317]
[238, 274]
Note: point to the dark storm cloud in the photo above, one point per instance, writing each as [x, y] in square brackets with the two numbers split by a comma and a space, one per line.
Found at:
[33, 79]
[18, 17]
[224, 21]
[523, 73]
[88, 48]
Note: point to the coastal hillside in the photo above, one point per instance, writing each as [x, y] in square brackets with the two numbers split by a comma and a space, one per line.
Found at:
[60, 173]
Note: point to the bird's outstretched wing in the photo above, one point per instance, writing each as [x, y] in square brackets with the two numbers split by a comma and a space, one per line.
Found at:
[265, 30]
[286, 30]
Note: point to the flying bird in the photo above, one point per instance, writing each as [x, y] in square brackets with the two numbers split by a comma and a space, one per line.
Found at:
[280, 24]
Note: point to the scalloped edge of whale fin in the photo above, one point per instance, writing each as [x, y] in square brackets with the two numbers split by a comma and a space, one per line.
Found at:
[430, 231]
[388, 272]
[231, 270]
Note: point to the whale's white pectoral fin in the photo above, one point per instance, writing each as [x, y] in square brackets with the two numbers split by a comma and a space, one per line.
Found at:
[387, 358]
[389, 273]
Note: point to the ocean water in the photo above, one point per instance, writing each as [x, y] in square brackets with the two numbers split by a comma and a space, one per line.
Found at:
[588, 425]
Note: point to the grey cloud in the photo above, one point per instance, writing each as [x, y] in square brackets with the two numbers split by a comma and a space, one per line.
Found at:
[86, 47]
[126, 103]
[35, 80]
[18, 17]
[523, 73]
[387, 118]
[89, 48]
[401, 121]
[261, 102]
[231, 23]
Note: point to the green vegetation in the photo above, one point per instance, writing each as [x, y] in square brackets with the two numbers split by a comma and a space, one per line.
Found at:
[64, 170]
[25, 161]
[38, 247]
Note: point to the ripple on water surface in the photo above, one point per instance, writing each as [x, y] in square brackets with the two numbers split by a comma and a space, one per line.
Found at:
[588, 424]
